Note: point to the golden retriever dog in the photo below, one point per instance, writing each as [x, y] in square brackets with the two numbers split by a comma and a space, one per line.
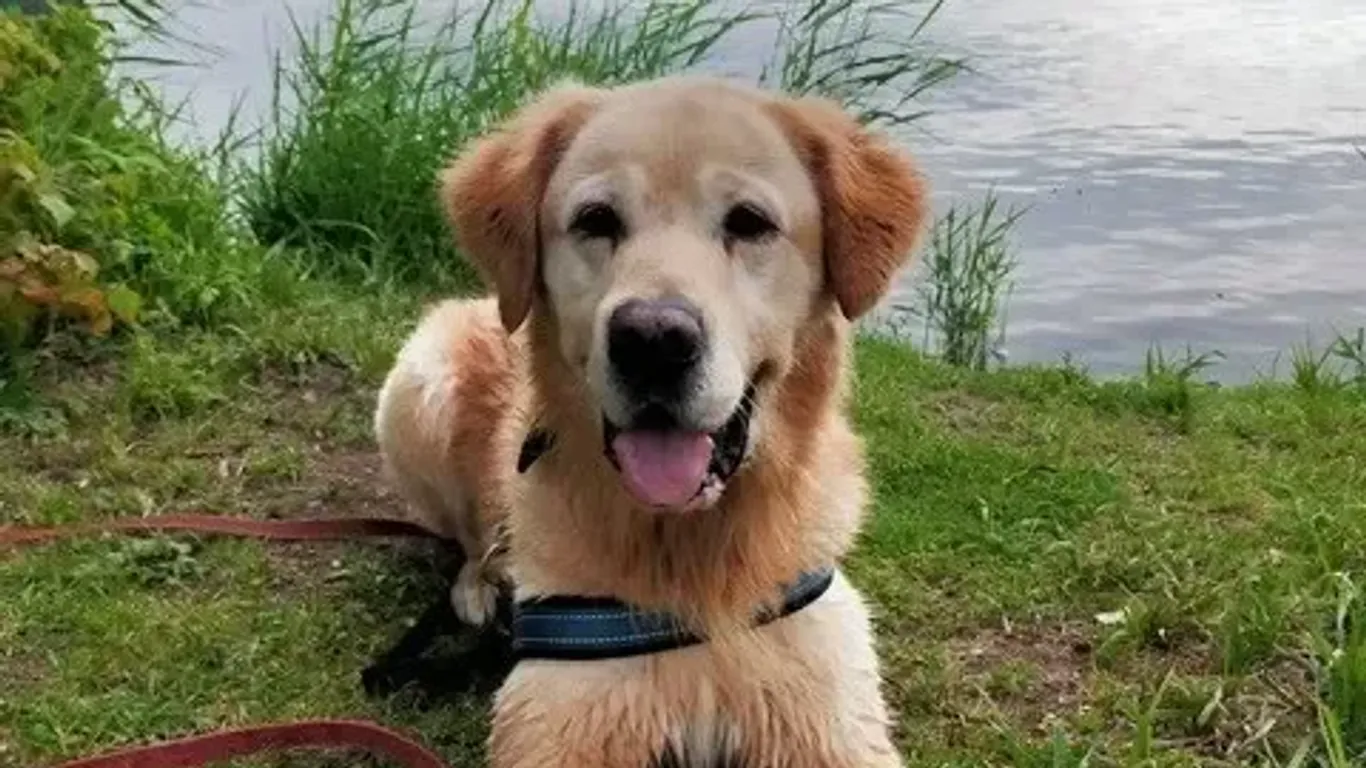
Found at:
[677, 264]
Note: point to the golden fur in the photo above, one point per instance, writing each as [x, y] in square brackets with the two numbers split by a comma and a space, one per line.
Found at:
[801, 691]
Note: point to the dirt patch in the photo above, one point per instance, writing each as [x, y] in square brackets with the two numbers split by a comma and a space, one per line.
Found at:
[21, 670]
[1032, 674]
[330, 482]
[965, 413]
[306, 454]
[319, 379]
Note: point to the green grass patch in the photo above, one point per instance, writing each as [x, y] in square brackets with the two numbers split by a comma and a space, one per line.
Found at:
[86, 169]
[1045, 551]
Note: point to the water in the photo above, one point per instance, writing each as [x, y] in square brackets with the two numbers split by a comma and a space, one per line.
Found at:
[1189, 166]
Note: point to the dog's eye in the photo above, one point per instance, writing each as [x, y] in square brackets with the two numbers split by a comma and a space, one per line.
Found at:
[597, 220]
[746, 222]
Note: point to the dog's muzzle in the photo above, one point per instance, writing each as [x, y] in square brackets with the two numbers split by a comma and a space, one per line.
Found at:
[666, 466]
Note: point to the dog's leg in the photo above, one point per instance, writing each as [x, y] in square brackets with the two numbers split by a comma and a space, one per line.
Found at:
[400, 665]
[449, 508]
[481, 665]
[473, 596]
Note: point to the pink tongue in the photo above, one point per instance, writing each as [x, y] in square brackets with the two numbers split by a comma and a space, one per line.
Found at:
[663, 469]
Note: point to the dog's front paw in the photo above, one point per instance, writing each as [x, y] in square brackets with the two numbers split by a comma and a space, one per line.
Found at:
[473, 597]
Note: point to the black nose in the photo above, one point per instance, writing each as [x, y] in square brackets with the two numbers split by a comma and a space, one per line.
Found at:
[653, 346]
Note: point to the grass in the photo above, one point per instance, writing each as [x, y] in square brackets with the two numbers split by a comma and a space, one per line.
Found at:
[968, 272]
[1058, 567]
[1340, 364]
[1150, 572]
[1169, 384]
[1031, 516]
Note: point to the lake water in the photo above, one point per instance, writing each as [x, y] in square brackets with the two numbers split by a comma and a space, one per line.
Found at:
[1189, 167]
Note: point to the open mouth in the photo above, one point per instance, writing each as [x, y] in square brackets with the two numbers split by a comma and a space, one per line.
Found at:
[666, 466]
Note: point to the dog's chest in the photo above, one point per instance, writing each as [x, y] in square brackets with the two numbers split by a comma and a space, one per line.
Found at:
[706, 743]
[779, 698]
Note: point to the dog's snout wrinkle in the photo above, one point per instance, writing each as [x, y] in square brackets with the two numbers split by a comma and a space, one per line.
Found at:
[654, 344]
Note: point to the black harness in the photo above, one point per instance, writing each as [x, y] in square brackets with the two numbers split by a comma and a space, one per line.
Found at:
[586, 628]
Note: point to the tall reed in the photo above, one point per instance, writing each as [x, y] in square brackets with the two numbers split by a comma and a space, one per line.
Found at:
[375, 100]
[969, 267]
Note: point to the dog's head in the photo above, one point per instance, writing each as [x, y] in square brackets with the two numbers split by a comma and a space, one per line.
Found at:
[678, 235]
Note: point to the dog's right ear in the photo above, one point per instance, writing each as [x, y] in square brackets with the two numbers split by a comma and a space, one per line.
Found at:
[492, 193]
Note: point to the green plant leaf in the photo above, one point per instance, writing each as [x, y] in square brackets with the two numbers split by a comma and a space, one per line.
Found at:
[21, 170]
[60, 211]
[125, 303]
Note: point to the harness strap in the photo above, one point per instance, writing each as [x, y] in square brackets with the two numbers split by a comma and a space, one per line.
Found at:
[588, 628]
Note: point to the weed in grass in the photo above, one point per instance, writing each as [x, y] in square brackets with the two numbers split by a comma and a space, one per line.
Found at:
[1350, 349]
[1061, 754]
[325, 181]
[21, 410]
[1149, 623]
[161, 383]
[1252, 625]
[969, 267]
[1310, 370]
[1073, 370]
[1057, 752]
[1335, 751]
[1340, 364]
[1169, 383]
[1341, 662]
[157, 561]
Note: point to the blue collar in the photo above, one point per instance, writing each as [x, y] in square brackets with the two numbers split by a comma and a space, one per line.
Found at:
[589, 628]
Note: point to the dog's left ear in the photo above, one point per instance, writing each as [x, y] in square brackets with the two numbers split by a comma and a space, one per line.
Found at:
[492, 193]
[873, 199]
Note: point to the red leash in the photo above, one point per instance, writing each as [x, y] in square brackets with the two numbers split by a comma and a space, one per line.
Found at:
[207, 749]
[317, 529]
[211, 748]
